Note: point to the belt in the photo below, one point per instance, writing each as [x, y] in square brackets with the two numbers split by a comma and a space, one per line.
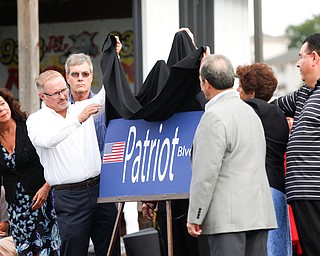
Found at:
[82, 184]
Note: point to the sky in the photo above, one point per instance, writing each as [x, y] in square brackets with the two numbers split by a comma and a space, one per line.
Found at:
[278, 14]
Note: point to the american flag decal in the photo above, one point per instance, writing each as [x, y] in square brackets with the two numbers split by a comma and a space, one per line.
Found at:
[113, 152]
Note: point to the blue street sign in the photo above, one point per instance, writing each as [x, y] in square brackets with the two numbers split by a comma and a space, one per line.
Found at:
[148, 160]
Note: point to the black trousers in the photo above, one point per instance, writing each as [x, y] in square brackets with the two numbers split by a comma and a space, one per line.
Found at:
[307, 217]
[183, 243]
[81, 217]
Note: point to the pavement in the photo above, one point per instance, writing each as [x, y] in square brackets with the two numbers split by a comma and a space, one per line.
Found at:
[91, 250]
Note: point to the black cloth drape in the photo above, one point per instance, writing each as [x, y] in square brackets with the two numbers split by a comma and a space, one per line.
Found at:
[169, 88]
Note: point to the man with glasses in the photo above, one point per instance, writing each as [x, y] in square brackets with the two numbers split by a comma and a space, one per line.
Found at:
[79, 75]
[65, 139]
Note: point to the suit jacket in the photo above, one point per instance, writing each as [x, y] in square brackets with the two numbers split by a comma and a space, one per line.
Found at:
[229, 189]
[29, 170]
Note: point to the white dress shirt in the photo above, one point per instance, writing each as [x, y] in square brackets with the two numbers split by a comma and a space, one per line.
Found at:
[68, 150]
[210, 102]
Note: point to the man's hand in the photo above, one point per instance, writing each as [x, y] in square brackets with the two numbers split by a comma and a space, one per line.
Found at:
[207, 52]
[194, 229]
[4, 226]
[189, 33]
[148, 210]
[88, 111]
[119, 45]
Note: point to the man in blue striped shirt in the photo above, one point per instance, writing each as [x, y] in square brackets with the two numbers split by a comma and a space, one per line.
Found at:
[303, 149]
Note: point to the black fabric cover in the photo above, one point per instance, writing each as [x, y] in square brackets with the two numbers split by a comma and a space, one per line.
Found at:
[167, 89]
[157, 77]
[181, 47]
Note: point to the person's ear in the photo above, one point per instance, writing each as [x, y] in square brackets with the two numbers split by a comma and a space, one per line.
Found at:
[41, 95]
[206, 84]
[315, 56]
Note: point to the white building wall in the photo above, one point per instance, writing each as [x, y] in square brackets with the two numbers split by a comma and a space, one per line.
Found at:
[160, 21]
[272, 46]
[289, 78]
[232, 37]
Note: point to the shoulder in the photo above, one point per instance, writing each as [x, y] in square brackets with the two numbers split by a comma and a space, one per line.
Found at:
[34, 116]
[21, 124]
[262, 107]
[21, 127]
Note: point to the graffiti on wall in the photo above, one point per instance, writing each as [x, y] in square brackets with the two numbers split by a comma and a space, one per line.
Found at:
[55, 47]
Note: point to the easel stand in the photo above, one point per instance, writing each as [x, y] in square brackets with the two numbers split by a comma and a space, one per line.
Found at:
[118, 221]
[169, 227]
[115, 229]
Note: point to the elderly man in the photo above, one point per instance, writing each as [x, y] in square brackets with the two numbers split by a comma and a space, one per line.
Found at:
[65, 139]
[79, 76]
[230, 199]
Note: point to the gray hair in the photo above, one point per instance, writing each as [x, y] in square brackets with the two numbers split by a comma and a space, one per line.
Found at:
[78, 59]
[45, 76]
[218, 71]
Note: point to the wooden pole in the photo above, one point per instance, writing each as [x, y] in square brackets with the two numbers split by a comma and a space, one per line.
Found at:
[258, 34]
[115, 229]
[169, 227]
[28, 49]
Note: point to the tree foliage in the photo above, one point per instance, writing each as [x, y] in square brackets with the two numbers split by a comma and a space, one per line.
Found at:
[297, 34]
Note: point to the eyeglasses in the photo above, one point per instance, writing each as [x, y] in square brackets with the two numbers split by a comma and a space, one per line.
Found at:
[56, 95]
[83, 74]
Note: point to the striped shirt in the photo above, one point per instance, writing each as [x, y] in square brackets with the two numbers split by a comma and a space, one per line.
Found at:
[303, 150]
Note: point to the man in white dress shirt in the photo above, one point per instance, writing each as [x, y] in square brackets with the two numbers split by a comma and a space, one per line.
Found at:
[65, 139]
